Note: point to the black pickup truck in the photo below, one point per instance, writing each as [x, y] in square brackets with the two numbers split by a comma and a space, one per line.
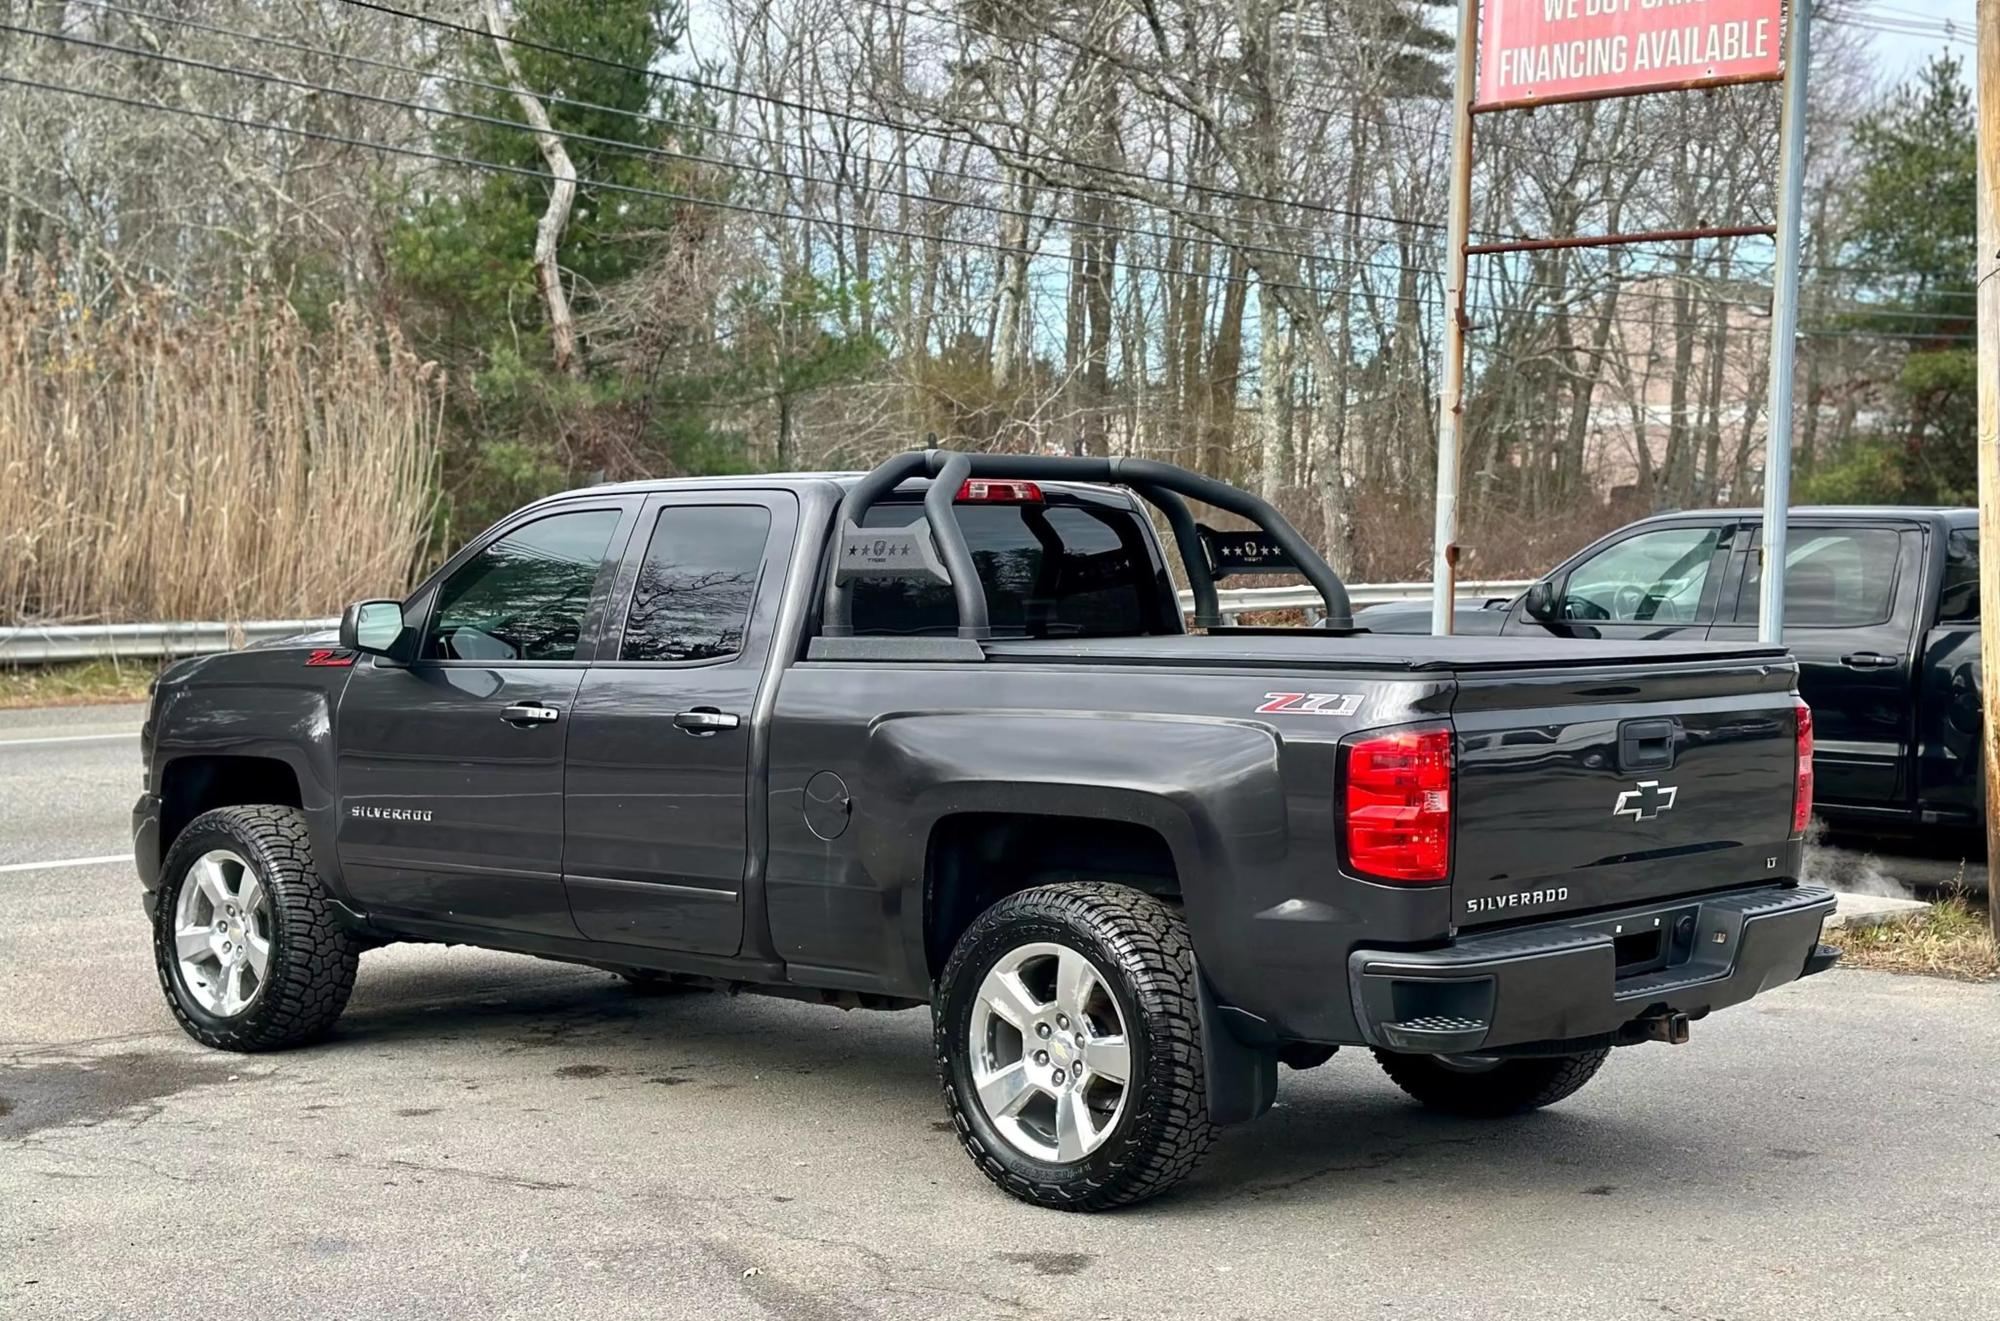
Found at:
[938, 734]
[1881, 612]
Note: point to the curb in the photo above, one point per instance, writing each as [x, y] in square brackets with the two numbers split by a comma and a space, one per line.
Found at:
[1865, 910]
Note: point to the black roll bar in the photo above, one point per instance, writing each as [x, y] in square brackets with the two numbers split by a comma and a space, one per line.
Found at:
[1159, 484]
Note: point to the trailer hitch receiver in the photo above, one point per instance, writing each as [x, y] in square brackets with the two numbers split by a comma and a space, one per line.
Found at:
[1670, 1026]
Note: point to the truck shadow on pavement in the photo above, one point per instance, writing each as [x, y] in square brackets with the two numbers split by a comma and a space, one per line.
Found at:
[1339, 1133]
[1342, 1133]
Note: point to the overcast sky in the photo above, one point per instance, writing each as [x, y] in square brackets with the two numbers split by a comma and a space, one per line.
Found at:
[1903, 51]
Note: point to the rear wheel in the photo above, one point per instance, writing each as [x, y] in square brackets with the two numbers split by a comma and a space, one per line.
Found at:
[1486, 1086]
[245, 940]
[1068, 1042]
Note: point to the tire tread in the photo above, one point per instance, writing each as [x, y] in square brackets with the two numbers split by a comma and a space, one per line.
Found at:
[1150, 942]
[314, 957]
[1515, 1087]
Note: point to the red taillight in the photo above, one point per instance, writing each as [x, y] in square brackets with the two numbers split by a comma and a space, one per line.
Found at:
[988, 490]
[1802, 786]
[1398, 786]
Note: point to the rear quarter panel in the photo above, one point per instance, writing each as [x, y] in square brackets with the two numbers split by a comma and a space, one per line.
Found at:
[1243, 800]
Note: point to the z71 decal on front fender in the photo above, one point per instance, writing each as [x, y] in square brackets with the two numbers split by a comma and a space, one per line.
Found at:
[330, 657]
[1310, 704]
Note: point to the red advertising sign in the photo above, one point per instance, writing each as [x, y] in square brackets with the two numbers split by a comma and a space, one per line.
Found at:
[1542, 50]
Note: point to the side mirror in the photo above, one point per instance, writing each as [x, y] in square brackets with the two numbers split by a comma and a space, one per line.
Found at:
[1542, 601]
[373, 627]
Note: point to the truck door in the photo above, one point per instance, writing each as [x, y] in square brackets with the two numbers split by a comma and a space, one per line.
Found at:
[451, 768]
[1652, 584]
[1850, 606]
[657, 797]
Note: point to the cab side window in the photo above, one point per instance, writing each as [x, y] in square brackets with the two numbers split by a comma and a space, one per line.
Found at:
[692, 600]
[1834, 578]
[524, 597]
[1653, 578]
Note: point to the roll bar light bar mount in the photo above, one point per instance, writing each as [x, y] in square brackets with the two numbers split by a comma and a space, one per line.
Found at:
[934, 546]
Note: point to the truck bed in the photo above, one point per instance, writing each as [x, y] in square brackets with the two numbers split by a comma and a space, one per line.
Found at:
[1292, 648]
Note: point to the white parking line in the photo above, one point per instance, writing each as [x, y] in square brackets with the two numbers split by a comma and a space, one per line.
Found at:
[66, 738]
[66, 862]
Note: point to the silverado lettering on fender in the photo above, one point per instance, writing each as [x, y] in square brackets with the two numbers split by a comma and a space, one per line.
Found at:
[938, 734]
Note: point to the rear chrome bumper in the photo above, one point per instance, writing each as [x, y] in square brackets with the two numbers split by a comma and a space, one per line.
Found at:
[1608, 979]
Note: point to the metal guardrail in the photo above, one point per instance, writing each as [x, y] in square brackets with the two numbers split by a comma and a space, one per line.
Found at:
[1236, 601]
[39, 645]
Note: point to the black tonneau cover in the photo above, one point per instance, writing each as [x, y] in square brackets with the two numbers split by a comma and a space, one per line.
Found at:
[1290, 649]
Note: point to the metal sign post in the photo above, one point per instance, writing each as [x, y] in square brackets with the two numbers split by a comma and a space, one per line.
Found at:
[1519, 54]
[1784, 326]
[1988, 286]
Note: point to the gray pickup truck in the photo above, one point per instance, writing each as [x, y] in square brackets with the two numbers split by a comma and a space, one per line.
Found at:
[939, 734]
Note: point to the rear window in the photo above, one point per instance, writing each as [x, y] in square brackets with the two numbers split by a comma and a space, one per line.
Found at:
[1050, 571]
[1834, 578]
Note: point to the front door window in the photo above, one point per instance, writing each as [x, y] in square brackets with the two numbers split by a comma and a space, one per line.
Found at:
[524, 597]
[1655, 577]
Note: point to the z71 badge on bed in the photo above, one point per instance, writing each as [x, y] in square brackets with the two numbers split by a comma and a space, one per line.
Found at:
[1310, 704]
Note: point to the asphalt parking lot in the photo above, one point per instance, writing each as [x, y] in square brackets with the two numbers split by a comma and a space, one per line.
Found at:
[494, 1136]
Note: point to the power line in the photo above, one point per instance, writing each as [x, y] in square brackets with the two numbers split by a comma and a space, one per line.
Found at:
[1431, 302]
[1904, 23]
[1311, 258]
[949, 135]
[699, 126]
[956, 136]
[646, 149]
[554, 98]
[714, 130]
[687, 199]
[1320, 259]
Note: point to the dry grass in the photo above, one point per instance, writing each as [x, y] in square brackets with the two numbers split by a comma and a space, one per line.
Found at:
[1953, 939]
[82, 683]
[162, 463]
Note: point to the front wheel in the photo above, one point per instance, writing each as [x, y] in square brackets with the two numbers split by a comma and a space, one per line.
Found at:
[1489, 1087]
[248, 948]
[1068, 1041]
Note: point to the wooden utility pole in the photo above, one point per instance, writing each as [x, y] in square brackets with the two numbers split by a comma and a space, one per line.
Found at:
[1451, 403]
[1989, 429]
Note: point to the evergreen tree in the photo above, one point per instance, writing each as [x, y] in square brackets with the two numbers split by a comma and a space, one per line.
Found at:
[1914, 232]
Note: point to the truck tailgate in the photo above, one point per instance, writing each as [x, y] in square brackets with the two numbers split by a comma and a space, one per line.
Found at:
[1586, 787]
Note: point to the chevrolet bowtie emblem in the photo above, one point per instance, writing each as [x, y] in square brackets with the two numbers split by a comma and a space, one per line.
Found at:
[1647, 801]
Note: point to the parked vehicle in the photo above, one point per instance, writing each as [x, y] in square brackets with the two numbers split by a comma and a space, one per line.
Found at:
[1881, 611]
[937, 735]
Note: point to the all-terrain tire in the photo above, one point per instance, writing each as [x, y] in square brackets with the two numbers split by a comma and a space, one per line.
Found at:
[312, 956]
[1139, 949]
[1507, 1087]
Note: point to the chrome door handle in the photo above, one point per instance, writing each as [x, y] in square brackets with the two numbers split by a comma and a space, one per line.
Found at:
[1868, 660]
[530, 713]
[706, 720]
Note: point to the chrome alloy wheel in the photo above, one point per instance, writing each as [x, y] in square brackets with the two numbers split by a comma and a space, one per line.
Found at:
[1049, 1054]
[222, 933]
